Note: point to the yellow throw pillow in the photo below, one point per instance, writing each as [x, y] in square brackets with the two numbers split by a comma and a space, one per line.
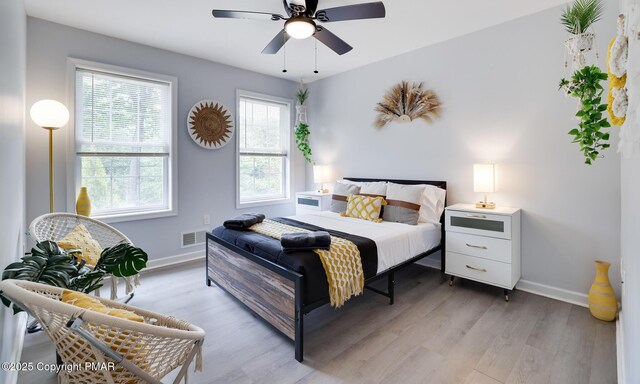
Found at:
[85, 301]
[80, 238]
[131, 345]
[364, 207]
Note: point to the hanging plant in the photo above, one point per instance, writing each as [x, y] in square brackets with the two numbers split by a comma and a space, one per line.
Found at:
[577, 19]
[302, 128]
[407, 102]
[585, 86]
[302, 141]
[302, 95]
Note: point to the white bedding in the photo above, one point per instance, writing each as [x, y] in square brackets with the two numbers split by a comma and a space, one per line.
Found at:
[396, 242]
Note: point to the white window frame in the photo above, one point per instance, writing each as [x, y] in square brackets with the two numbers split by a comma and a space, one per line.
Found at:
[73, 186]
[287, 168]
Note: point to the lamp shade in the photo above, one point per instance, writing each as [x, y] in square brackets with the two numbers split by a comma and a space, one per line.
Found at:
[49, 114]
[299, 27]
[321, 174]
[484, 178]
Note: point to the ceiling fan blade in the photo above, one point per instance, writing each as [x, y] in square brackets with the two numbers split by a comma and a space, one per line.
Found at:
[246, 15]
[352, 12]
[287, 8]
[276, 43]
[332, 41]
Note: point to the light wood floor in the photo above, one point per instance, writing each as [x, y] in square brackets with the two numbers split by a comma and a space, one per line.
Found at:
[432, 334]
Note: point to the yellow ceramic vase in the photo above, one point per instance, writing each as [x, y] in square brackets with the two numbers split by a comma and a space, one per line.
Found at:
[83, 204]
[602, 299]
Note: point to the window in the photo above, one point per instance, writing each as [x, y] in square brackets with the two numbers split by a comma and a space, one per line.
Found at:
[263, 149]
[124, 140]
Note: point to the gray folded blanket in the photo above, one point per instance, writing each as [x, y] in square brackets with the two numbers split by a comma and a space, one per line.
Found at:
[304, 241]
[244, 221]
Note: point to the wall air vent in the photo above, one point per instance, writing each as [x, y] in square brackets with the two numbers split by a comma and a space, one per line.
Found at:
[190, 239]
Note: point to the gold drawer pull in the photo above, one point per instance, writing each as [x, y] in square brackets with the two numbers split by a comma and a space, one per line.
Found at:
[477, 216]
[476, 246]
[476, 269]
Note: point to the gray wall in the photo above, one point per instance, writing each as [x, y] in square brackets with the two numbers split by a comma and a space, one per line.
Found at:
[501, 105]
[13, 36]
[630, 243]
[206, 178]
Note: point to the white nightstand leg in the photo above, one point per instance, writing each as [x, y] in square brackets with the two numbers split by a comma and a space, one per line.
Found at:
[506, 295]
[451, 281]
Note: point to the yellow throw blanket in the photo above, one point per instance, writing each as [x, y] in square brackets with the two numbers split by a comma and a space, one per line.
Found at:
[342, 263]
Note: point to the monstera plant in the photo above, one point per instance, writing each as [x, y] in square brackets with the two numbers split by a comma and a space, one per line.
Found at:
[49, 264]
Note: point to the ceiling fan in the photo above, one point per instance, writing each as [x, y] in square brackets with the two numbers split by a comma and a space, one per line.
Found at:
[301, 22]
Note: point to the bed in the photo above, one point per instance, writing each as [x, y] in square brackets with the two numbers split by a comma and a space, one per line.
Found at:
[282, 288]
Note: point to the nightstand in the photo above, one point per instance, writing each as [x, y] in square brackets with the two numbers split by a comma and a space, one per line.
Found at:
[312, 201]
[483, 245]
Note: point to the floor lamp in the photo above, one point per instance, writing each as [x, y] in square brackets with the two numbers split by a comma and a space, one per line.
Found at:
[50, 115]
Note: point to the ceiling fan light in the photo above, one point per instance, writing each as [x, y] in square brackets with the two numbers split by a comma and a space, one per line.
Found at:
[300, 27]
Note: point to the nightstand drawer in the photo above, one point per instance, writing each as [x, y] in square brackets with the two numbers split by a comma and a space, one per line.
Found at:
[483, 224]
[475, 268]
[309, 202]
[480, 246]
[312, 202]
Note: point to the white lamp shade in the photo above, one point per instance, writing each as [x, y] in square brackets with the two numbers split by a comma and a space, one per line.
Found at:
[299, 28]
[49, 114]
[321, 174]
[484, 178]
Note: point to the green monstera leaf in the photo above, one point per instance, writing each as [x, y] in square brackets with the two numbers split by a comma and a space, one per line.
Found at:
[122, 260]
[87, 282]
[48, 264]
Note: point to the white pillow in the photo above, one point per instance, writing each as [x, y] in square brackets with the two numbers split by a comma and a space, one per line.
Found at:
[432, 204]
[341, 191]
[345, 181]
[404, 203]
[374, 188]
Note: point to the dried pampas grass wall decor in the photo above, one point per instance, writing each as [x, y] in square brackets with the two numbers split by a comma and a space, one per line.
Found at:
[407, 102]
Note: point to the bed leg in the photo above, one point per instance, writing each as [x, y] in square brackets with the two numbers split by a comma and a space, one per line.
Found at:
[390, 287]
[208, 282]
[299, 335]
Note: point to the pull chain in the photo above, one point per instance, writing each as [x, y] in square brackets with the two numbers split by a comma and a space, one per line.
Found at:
[284, 55]
[316, 55]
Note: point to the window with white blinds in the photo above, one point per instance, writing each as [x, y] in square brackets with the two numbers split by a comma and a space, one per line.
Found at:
[263, 148]
[123, 141]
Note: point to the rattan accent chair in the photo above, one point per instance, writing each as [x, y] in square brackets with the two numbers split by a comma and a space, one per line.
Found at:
[142, 352]
[55, 226]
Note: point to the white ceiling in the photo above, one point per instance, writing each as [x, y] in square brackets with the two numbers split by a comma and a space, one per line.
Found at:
[187, 27]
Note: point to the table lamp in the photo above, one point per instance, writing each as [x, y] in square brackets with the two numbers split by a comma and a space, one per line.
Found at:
[321, 175]
[484, 182]
[50, 115]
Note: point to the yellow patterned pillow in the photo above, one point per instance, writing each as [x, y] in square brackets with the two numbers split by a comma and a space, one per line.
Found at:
[364, 207]
[85, 301]
[80, 238]
[131, 345]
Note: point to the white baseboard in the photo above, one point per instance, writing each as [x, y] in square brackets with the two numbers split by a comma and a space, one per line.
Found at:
[620, 348]
[572, 297]
[174, 260]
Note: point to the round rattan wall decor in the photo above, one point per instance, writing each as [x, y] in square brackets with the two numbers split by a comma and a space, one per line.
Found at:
[210, 124]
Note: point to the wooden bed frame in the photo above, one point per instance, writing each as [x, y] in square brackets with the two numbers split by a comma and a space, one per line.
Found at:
[274, 292]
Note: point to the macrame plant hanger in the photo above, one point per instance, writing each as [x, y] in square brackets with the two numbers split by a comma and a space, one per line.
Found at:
[577, 46]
